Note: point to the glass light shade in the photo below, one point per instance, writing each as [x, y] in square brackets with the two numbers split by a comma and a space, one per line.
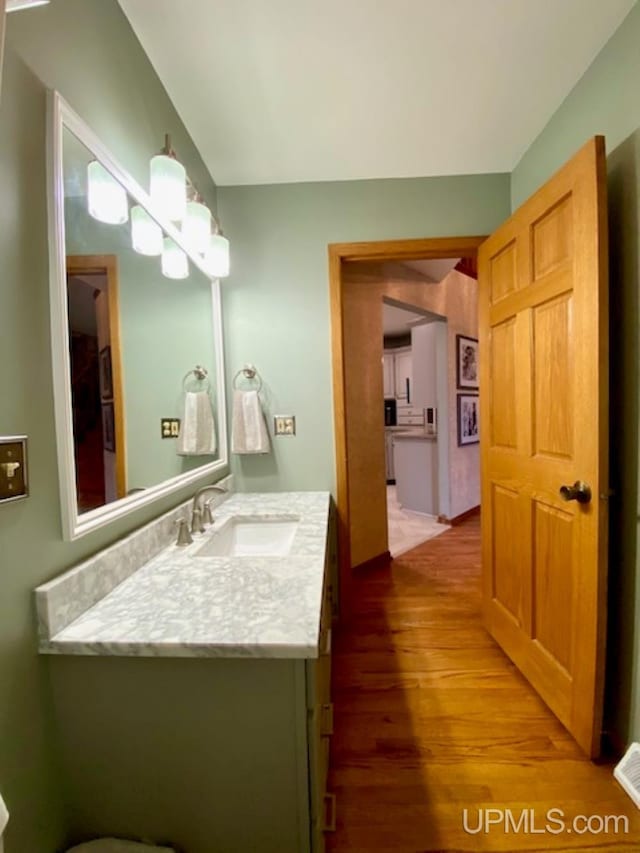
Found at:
[197, 226]
[146, 234]
[107, 199]
[216, 258]
[168, 187]
[174, 261]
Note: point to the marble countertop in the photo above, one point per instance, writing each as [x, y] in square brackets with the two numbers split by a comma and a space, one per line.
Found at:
[180, 604]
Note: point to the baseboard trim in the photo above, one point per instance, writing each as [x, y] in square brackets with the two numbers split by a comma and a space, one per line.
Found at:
[458, 519]
[374, 563]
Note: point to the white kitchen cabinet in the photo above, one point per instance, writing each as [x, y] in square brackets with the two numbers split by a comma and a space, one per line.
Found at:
[388, 375]
[397, 367]
[403, 374]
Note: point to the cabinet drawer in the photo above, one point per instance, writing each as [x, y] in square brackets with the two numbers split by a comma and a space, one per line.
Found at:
[408, 420]
[319, 680]
[411, 411]
[322, 803]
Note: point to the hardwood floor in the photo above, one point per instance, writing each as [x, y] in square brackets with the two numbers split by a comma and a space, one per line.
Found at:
[431, 718]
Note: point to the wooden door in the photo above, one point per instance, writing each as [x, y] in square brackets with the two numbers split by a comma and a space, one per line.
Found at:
[544, 424]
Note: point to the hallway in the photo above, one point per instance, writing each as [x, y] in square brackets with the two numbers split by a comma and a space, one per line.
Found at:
[431, 718]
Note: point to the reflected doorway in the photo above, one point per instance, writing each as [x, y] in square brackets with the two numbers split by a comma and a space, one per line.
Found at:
[96, 380]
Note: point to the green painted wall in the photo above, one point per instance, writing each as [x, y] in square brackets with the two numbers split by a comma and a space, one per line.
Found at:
[86, 49]
[605, 101]
[276, 300]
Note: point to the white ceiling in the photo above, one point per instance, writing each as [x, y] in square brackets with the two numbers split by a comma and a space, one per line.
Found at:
[398, 321]
[312, 90]
[435, 269]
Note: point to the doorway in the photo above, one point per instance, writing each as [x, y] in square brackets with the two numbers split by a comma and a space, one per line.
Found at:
[544, 373]
[432, 465]
[357, 316]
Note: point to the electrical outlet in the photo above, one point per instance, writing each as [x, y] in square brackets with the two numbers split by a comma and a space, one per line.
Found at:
[169, 427]
[13, 468]
[284, 424]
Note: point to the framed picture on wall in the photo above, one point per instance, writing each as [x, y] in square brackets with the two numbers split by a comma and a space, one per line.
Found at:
[108, 427]
[467, 369]
[106, 374]
[468, 419]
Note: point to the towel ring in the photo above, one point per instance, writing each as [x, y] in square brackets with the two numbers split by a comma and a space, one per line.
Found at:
[201, 375]
[249, 372]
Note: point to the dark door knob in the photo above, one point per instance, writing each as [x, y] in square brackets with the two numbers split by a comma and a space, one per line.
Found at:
[580, 492]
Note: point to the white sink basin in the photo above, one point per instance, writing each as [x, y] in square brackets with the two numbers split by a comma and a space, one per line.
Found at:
[251, 536]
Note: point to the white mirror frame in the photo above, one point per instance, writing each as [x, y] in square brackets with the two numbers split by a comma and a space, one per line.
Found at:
[74, 524]
[3, 16]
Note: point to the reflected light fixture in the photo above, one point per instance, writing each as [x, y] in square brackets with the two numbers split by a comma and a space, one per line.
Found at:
[18, 5]
[107, 199]
[168, 183]
[146, 234]
[174, 261]
[196, 227]
[216, 258]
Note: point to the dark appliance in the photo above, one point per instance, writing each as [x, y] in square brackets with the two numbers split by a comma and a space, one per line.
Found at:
[390, 412]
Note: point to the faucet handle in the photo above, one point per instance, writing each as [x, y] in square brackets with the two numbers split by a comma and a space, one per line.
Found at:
[207, 518]
[184, 537]
[196, 521]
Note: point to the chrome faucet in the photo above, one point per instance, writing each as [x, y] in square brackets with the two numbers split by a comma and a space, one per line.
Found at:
[200, 517]
[184, 537]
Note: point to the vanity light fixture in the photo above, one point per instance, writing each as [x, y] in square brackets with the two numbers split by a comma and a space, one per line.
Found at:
[175, 263]
[216, 258]
[107, 199]
[197, 224]
[18, 5]
[168, 183]
[146, 234]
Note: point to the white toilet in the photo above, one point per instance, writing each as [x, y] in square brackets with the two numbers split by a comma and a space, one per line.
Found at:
[116, 845]
[4, 819]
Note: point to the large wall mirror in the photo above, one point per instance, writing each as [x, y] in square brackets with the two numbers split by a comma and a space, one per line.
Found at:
[136, 338]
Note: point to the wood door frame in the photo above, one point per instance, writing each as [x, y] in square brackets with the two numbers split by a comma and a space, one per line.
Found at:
[108, 265]
[427, 248]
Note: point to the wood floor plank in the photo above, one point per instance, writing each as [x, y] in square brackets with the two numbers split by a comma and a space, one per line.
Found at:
[431, 718]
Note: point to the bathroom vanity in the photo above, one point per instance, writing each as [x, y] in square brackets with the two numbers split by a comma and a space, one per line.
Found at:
[192, 684]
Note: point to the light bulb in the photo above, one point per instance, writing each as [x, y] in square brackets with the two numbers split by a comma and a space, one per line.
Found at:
[107, 199]
[174, 261]
[146, 234]
[168, 187]
[216, 259]
[197, 226]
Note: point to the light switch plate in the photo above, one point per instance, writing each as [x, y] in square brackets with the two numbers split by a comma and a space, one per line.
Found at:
[169, 427]
[14, 482]
[284, 425]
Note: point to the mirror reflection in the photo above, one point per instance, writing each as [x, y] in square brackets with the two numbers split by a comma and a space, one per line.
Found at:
[140, 320]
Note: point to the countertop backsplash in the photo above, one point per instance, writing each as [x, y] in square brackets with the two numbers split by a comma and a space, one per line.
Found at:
[68, 596]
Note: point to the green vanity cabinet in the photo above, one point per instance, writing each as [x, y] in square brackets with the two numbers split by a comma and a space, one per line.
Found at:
[210, 754]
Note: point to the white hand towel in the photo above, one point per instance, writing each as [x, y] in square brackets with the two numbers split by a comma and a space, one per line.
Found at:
[249, 430]
[4, 820]
[197, 430]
